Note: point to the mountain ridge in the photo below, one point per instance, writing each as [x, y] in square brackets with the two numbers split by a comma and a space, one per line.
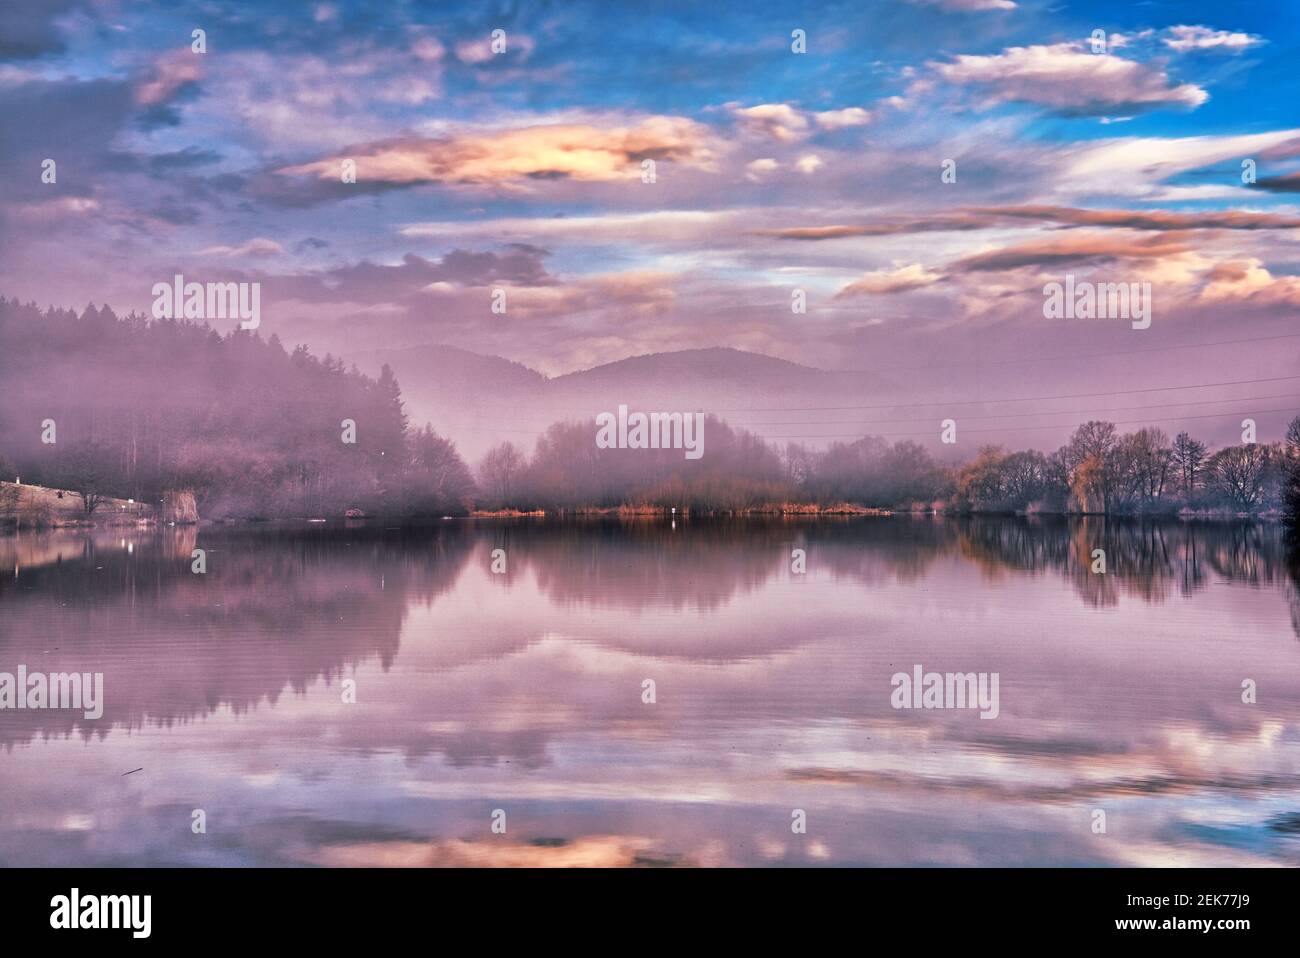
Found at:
[479, 399]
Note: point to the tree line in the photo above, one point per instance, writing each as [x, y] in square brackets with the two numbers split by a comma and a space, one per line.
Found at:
[1099, 470]
[141, 408]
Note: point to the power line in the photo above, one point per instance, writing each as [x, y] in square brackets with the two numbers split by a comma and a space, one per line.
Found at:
[1120, 422]
[1077, 356]
[1007, 415]
[1091, 413]
[999, 429]
[982, 402]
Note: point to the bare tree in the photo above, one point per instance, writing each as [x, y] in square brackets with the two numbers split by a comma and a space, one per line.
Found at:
[1291, 478]
[1025, 477]
[499, 471]
[1240, 473]
[1087, 459]
[84, 471]
[1189, 462]
[1139, 465]
[798, 461]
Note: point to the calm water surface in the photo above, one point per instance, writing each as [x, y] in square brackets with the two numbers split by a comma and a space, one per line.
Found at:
[523, 692]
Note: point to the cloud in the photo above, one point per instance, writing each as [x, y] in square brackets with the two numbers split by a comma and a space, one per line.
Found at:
[163, 163]
[258, 246]
[170, 74]
[786, 124]
[53, 210]
[991, 217]
[1147, 219]
[501, 157]
[839, 119]
[1286, 183]
[72, 122]
[577, 151]
[409, 90]
[373, 283]
[1070, 80]
[479, 51]
[171, 209]
[1249, 281]
[428, 49]
[30, 29]
[779, 121]
[1134, 165]
[1282, 151]
[617, 298]
[899, 280]
[671, 228]
[1184, 38]
[966, 6]
[300, 104]
[946, 222]
[809, 163]
[1074, 249]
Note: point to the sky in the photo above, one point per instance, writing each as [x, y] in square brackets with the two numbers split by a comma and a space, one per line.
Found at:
[774, 171]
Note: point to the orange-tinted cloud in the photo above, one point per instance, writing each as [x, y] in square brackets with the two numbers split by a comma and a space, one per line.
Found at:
[900, 280]
[591, 851]
[1250, 281]
[578, 151]
[1073, 249]
[619, 296]
[890, 227]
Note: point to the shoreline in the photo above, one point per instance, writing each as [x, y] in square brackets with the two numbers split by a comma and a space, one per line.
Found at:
[12, 527]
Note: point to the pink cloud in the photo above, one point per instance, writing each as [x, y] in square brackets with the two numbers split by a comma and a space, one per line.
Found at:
[1071, 80]
[170, 73]
[1186, 38]
[899, 280]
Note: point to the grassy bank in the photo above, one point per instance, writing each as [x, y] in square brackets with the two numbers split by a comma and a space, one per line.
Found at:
[43, 507]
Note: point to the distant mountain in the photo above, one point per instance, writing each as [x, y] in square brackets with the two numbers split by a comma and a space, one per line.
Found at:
[437, 379]
[481, 400]
[719, 368]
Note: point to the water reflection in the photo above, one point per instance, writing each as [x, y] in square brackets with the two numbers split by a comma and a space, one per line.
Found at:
[272, 613]
[522, 691]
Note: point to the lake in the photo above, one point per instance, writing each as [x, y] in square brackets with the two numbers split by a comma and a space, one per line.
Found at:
[350, 694]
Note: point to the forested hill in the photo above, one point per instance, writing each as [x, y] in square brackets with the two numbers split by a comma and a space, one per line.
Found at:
[137, 407]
